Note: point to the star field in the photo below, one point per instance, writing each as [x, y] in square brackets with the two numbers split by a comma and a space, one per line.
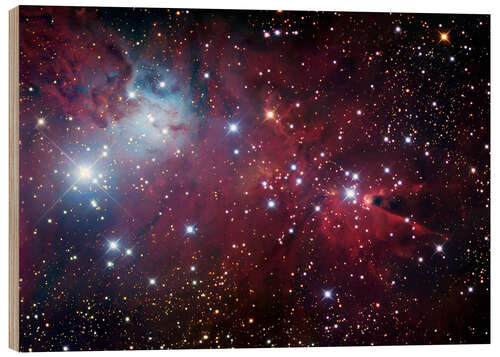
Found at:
[218, 179]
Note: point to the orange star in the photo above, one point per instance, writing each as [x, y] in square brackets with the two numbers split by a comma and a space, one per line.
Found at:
[444, 37]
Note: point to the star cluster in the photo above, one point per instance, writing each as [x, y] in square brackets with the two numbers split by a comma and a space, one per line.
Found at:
[216, 179]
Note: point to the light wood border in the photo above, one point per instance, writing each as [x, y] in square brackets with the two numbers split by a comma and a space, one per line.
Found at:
[14, 178]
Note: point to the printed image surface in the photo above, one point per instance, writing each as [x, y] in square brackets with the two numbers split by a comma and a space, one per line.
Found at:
[218, 179]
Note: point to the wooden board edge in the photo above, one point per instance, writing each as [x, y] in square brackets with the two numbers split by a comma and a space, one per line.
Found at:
[14, 178]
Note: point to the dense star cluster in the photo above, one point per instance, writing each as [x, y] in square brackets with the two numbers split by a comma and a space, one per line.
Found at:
[215, 179]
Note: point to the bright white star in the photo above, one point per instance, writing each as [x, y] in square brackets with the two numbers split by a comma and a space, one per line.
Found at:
[84, 172]
[113, 245]
[350, 193]
[233, 128]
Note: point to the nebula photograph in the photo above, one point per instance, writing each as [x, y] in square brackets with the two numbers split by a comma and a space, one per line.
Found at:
[202, 179]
